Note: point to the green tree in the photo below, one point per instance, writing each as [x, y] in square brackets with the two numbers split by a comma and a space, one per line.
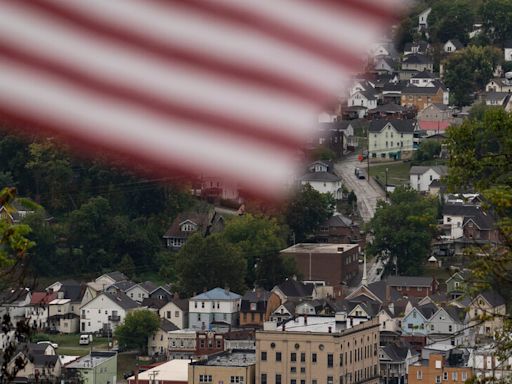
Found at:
[403, 229]
[451, 19]
[137, 328]
[260, 239]
[496, 16]
[127, 266]
[469, 70]
[427, 151]
[209, 262]
[307, 210]
[43, 257]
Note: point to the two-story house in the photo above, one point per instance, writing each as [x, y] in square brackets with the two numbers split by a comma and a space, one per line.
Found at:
[423, 19]
[322, 178]
[503, 85]
[446, 325]
[456, 283]
[485, 315]
[216, 305]
[415, 320]
[176, 311]
[420, 177]
[253, 307]
[414, 63]
[394, 362]
[37, 311]
[413, 286]
[14, 303]
[391, 139]
[105, 312]
[158, 343]
[141, 291]
[163, 292]
[419, 47]
[339, 229]
[420, 97]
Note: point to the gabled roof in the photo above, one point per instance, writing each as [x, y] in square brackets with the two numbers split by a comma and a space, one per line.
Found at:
[320, 176]
[457, 314]
[148, 286]
[402, 126]
[153, 302]
[428, 310]
[294, 288]
[42, 298]
[167, 326]
[456, 43]
[181, 304]
[470, 213]
[441, 170]
[122, 285]
[417, 59]
[202, 219]
[396, 353]
[73, 291]
[493, 298]
[217, 294]
[423, 75]
[379, 289]
[120, 298]
[116, 276]
[338, 221]
[255, 296]
[409, 281]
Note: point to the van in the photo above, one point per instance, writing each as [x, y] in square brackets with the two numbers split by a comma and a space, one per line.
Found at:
[85, 339]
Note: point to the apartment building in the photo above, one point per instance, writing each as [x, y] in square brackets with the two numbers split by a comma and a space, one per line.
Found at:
[233, 367]
[318, 350]
[439, 369]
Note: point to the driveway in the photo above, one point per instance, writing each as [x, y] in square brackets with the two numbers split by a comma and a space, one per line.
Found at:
[367, 191]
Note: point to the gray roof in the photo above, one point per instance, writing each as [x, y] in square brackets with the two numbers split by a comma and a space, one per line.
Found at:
[402, 126]
[409, 281]
[417, 59]
[320, 176]
[457, 314]
[396, 353]
[181, 304]
[217, 294]
[379, 289]
[456, 43]
[293, 288]
[121, 299]
[149, 286]
[470, 212]
[493, 298]
[338, 220]
[423, 75]
[428, 310]
[117, 276]
[507, 44]
[167, 326]
[122, 285]
[421, 169]
[256, 296]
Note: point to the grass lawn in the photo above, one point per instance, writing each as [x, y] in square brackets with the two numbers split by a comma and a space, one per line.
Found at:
[68, 344]
[398, 173]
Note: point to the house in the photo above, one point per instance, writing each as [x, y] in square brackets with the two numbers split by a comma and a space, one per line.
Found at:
[383, 65]
[485, 314]
[105, 312]
[339, 135]
[163, 292]
[216, 305]
[419, 47]
[499, 85]
[334, 264]
[422, 79]
[13, 302]
[64, 311]
[394, 363]
[16, 211]
[497, 99]
[37, 311]
[389, 322]
[422, 97]
[456, 283]
[435, 118]
[120, 286]
[253, 307]
[367, 99]
[423, 19]
[139, 292]
[469, 222]
[158, 343]
[339, 229]
[420, 177]
[235, 366]
[391, 138]
[378, 291]
[318, 348]
[183, 343]
[110, 278]
[321, 177]
[413, 63]
[507, 50]
[389, 110]
[98, 367]
[452, 45]
[383, 49]
[41, 364]
[283, 312]
[447, 325]
[170, 372]
[486, 363]
[439, 369]
[416, 319]
[176, 311]
[413, 286]
[186, 224]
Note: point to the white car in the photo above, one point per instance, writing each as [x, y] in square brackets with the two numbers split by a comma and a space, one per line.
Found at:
[54, 345]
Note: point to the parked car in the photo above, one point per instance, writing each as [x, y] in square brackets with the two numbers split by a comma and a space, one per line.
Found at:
[54, 345]
[85, 339]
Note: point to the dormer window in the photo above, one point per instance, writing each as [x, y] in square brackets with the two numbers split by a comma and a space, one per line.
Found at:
[188, 227]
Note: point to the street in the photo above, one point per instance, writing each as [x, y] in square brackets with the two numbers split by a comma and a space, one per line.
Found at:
[368, 193]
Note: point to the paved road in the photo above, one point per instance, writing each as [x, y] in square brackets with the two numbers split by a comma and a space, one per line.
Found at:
[368, 193]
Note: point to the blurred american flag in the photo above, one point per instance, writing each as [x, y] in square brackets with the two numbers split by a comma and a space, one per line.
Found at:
[229, 88]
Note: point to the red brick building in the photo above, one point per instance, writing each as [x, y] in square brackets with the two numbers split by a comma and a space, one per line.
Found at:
[335, 264]
[413, 286]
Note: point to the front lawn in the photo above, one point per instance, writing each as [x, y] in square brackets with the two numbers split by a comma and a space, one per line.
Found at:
[398, 173]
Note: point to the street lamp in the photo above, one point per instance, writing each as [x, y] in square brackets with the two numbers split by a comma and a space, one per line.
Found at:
[386, 187]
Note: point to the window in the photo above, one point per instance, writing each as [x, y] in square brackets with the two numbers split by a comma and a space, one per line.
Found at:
[341, 359]
[330, 361]
[329, 380]
[198, 317]
[438, 379]
[450, 328]
[454, 376]
[195, 304]
[464, 376]
[445, 375]
[177, 314]
[202, 304]
[168, 314]
[263, 356]
[313, 357]
[293, 369]
[419, 374]
[263, 378]
[278, 356]
[278, 379]
[236, 379]
[303, 357]
[205, 378]
[302, 369]
[293, 357]
[293, 381]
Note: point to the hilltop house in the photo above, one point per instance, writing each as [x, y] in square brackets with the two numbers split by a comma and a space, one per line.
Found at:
[452, 45]
[139, 292]
[391, 139]
[420, 177]
[216, 305]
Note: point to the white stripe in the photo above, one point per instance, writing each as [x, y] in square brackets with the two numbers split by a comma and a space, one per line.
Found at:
[173, 82]
[219, 38]
[171, 142]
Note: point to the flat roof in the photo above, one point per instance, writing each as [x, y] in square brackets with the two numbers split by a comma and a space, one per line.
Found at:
[315, 324]
[320, 247]
[236, 358]
[92, 360]
[173, 370]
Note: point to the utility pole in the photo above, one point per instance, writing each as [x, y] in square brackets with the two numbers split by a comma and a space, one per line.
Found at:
[368, 153]
[386, 187]
[152, 376]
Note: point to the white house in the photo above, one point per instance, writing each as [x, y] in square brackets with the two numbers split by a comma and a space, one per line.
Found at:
[14, 303]
[452, 45]
[63, 315]
[423, 79]
[367, 99]
[388, 322]
[219, 305]
[176, 312]
[453, 219]
[420, 177]
[321, 179]
[141, 291]
[507, 48]
[499, 85]
[423, 19]
[105, 311]
[447, 323]
[390, 138]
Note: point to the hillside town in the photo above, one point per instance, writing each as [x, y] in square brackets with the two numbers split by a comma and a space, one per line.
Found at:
[388, 265]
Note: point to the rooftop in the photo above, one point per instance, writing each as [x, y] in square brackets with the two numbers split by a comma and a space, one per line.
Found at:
[173, 370]
[314, 324]
[320, 248]
[235, 358]
[92, 360]
[217, 294]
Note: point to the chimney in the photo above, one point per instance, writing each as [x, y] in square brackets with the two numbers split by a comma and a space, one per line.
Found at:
[284, 327]
[330, 329]
[226, 289]
[306, 319]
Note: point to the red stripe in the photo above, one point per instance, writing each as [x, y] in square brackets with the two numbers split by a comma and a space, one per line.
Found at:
[373, 9]
[292, 36]
[172, 53]
[90, 148]
[184, 111]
